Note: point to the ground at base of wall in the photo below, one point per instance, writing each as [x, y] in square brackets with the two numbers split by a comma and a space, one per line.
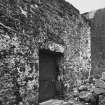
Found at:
[60, 102]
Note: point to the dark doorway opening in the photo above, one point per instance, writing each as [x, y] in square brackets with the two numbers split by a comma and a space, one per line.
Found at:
[48, 72]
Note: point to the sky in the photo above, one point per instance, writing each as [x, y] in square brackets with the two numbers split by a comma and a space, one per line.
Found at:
[87, 5]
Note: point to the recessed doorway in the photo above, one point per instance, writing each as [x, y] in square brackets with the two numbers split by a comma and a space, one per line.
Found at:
[48, 71]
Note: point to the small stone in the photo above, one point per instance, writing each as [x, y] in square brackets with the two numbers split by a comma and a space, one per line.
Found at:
[100, 84]
[103, 76]
[99, 90]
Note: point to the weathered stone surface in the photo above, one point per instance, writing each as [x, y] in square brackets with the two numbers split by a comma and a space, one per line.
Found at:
[100, 83]
[26, 26]
[99, 91]
[97, 23]
[103, 76]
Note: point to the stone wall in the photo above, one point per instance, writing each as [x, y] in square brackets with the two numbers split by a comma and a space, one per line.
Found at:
[26, 26]
[97, 22]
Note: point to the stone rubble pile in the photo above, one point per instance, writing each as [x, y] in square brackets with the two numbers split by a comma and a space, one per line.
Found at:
[91, 92]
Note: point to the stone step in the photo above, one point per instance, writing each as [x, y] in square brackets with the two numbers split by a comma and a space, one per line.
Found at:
[52, 102]
[58, 102]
